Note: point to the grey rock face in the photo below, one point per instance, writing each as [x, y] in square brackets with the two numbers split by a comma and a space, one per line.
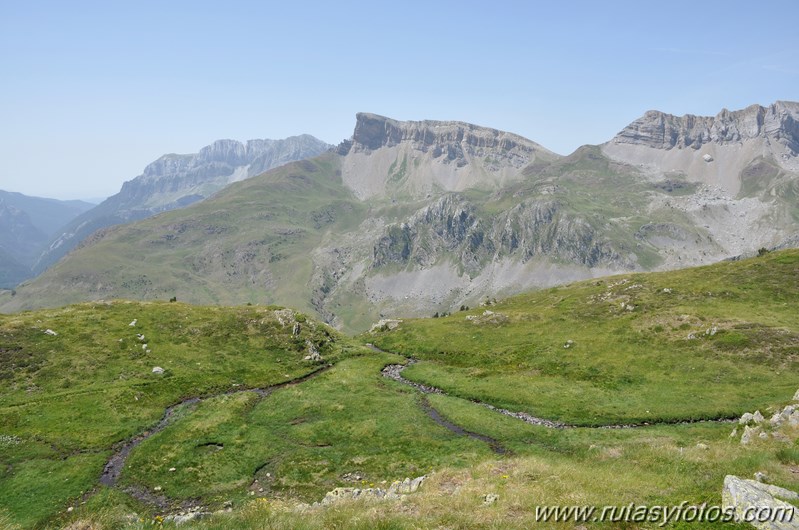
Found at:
[450, 139]
[749, 497]
[778, 122]
[533, 228]
[175, 181]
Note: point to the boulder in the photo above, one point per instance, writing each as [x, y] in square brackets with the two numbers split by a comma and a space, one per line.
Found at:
[749, 434]
[490, 498]
[749, 498]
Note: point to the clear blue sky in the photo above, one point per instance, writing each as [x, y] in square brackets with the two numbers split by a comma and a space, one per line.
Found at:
[90, 92]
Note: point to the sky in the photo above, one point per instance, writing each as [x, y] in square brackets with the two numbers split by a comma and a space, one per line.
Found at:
[91, 92]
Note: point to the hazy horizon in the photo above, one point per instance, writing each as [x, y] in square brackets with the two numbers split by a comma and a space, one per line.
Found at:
[93, 92]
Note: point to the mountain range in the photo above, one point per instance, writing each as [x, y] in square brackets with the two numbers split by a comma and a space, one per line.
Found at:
[415, 217]
[174, 181]
[26, 225]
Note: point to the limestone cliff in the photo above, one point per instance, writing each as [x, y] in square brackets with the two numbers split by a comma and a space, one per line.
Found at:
[175, 181]
[390, 158]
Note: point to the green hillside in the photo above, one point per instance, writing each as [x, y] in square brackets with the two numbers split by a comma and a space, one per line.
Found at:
[240, 416]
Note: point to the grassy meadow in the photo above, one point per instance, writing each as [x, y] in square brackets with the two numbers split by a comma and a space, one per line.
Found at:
[654, 349]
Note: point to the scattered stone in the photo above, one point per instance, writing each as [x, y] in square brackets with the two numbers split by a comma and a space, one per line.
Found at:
[702, 446]
[711, 331]
[734, 433]
[746, 496]
[796, 396]
[158, 370]
[133, 324]
[50, 332]
[296, 329]
[707, 158]
[144, 346]
[187, 516]
[749, 434]
[487, 313]
[667, 290]
[157, 488]
[569, 344]
[490, 498]
[284, 316]
[757, 417]
[70, 508]
[763, 436]
[313, 353]
[761, 477]
[397, 490]
[386, 324]
[140, 337]
[746, 418]
[171, 469]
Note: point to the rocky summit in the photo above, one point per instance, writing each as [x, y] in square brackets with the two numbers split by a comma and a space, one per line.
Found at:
[387, 157]
[176, 181]
[411, 218]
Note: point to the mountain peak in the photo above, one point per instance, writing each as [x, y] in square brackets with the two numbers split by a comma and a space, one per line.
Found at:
[445, 155]
[779, 121]
[373, 131]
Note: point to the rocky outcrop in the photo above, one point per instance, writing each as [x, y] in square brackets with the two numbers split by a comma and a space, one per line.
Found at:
[396, 490]
[452, 140]
[386, 156]
[778, 122]
[451, 227]
[176, 181]
[759, 504]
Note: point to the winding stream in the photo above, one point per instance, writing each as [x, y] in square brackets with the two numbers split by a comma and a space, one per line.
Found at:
[394, 371]
[113, 468]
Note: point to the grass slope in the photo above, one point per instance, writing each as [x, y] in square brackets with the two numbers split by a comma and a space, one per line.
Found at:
[250, 243]
[692, 344]
[67, 398]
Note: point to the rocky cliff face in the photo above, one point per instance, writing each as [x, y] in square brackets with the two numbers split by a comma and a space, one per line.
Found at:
[533, 228]
[175, 181]
[413, 218]
[174, 177]
[778, 122]
[712, 150]
[446, 156]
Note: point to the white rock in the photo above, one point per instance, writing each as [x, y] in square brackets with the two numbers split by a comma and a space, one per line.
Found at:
[158, 370]
[50, 332]
[132, 324]
[490, 498]
[749, 434]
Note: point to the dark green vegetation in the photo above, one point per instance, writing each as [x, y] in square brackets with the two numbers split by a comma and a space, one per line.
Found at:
[66, 399]
[694, 344]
